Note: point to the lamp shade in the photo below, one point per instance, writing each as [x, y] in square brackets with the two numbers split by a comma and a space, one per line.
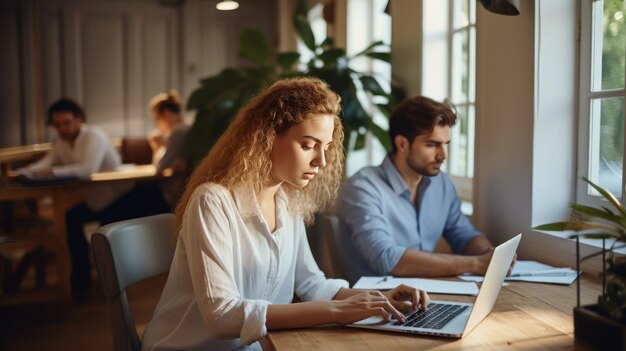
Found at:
[227, 5]
[502, 7]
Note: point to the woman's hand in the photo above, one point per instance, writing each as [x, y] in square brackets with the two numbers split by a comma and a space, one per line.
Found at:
[363, 305]
[404, 297]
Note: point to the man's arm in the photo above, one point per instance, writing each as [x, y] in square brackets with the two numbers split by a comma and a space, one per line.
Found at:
[96, 147]
[472, 250]
[359, 207]
[478, 245]
[415, 263]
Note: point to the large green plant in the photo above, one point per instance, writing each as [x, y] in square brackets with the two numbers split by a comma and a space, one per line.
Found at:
[219, 97]
[602, 223]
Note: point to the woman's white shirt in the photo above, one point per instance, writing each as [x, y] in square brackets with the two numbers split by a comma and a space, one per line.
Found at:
[227, 268]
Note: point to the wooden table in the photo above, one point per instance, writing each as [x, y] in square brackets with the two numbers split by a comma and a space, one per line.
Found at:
[22, 153]
[29, 153]
[64, 197]
[527, 316]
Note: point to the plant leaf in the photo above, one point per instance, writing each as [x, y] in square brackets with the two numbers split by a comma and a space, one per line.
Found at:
[384, 108]
[398, 94]
[597, 213]
[381, 135]
[369, 48]
[253, 46]
[360, 141]
[287, 60]
[327, 43]
[573, 225]
[556, 226]
[383, 56]
[302, 25]
[330, 56]
[371, 85]
[607, 195]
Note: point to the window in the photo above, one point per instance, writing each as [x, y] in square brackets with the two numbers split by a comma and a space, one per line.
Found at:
[603, 52]
[449, 72]
[462, 93]
[366, 23]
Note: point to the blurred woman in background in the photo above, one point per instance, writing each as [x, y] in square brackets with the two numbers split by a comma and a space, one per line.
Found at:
[167, 141]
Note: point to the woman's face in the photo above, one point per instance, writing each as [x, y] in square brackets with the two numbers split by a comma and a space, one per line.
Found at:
[300, 152]
[165, 121]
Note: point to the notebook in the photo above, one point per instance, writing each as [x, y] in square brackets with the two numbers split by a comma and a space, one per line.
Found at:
[454, 319]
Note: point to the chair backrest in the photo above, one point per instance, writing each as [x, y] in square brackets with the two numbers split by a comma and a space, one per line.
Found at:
[136, 150]
[126, 252]
[330, 260]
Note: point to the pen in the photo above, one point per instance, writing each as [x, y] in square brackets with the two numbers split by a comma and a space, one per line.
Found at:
[382, 280]
[553, 272]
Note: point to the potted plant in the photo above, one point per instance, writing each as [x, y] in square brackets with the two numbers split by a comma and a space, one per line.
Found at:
[603, 324]
[219, 97]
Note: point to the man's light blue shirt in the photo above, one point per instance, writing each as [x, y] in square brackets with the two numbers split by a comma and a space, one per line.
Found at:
[379, 221]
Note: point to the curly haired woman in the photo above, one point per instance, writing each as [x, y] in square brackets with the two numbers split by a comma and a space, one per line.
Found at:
[242, 251]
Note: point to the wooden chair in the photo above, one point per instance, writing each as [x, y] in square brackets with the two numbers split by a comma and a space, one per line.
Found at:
[136, 151]
[329, 256]
[125, 253]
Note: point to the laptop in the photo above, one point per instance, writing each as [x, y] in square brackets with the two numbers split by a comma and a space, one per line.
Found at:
[454, 319]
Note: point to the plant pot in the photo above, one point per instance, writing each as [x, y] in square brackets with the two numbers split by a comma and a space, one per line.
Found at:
[595, 328]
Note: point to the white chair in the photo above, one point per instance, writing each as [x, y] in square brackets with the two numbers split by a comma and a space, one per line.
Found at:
[125, 253]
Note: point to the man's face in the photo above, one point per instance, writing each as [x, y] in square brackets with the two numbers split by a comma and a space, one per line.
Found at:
[67, 125]
[428, 151]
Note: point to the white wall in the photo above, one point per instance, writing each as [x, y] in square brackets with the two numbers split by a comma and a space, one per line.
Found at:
[505, 64]
[556, 115]
[406, 44]
[526, 125]
[112, 56]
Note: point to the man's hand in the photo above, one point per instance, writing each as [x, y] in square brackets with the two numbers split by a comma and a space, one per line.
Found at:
[483, 263]
[156, 141]
[508, 274]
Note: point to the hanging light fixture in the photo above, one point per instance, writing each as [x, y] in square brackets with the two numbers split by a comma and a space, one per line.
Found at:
[227, 5]
[502, 7]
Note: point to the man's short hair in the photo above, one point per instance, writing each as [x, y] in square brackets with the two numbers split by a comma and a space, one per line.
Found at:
[419, 115]
[66, 105]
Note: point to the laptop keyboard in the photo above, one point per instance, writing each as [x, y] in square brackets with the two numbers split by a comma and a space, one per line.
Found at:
[436, 317]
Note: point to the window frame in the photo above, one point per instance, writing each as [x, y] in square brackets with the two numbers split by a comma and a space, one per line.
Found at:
[464, 184]
[590, 32]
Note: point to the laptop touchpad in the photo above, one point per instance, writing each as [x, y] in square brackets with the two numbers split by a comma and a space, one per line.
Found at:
[373, 320]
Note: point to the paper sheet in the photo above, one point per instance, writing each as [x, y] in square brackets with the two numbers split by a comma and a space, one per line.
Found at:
[429, 285]
[554, 275]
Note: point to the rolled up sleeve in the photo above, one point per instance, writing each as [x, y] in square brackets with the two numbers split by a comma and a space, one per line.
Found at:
[458, 230]
[209, 247]
[95, 147]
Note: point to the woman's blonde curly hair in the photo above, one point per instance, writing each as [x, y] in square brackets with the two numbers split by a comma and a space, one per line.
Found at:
[241, 157]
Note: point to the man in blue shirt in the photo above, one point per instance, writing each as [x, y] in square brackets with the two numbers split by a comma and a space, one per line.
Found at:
[393, 215]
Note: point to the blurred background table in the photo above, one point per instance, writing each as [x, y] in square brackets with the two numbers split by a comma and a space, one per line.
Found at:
[64, 196]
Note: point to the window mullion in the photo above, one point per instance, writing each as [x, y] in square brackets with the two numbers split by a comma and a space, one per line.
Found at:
[606, 94]
[585, 102]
